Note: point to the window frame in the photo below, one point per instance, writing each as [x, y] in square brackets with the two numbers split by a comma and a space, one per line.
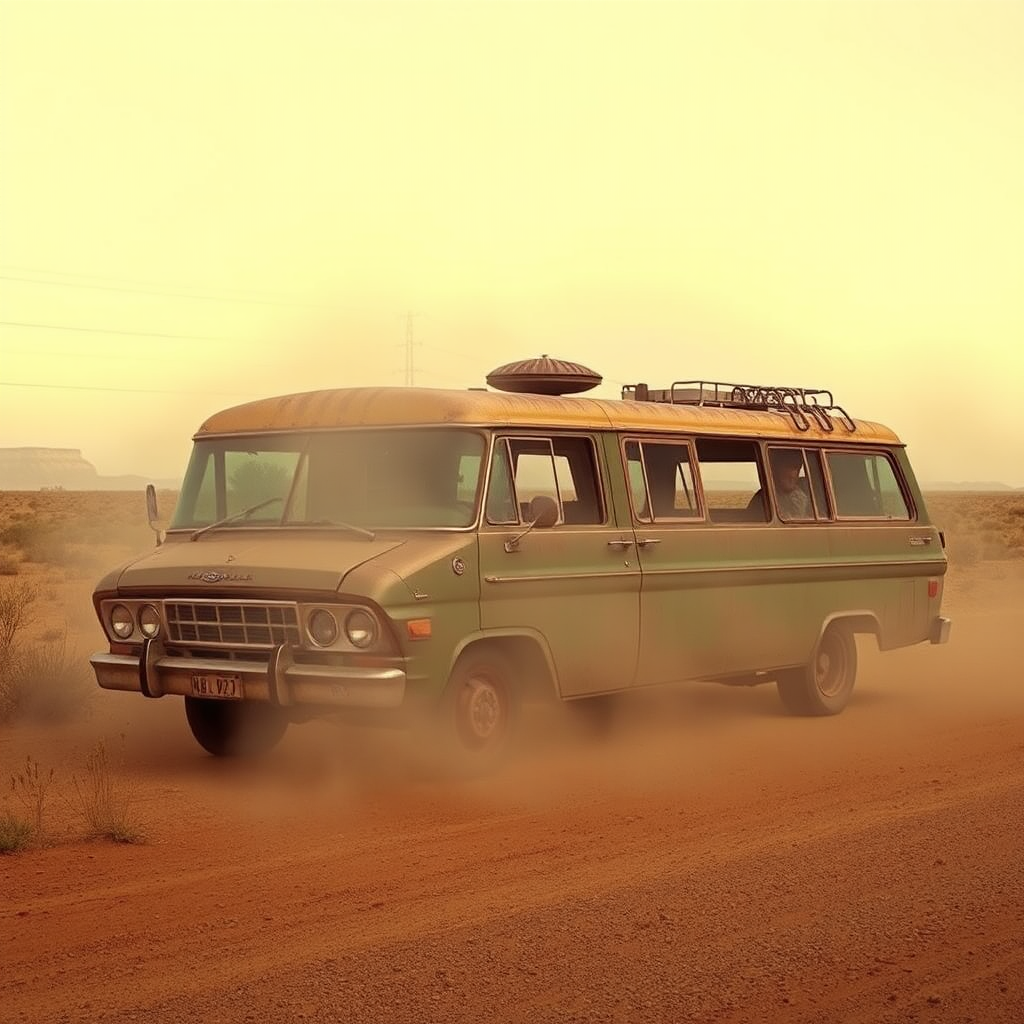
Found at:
[551, 437]
[820, 516]
[763, 482]
[901, 484]
[700, 518]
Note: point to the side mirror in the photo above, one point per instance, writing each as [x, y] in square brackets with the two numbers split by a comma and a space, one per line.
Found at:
[543, 515]
[543, 512]
[153, 514]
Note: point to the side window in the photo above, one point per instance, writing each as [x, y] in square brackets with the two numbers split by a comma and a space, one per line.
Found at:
[661, 480]
[501, 495]
[733, 481]
[865, 486]
[561, 468]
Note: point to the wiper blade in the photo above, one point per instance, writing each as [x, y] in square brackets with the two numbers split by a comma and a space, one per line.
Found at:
[230, 519]
[368, 534]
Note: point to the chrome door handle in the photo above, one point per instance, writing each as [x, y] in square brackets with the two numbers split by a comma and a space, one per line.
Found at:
[643, 542]
[620, 543]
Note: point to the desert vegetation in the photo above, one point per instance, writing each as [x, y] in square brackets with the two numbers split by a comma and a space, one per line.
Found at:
[980, 527]
[94, 801]
[53, 547]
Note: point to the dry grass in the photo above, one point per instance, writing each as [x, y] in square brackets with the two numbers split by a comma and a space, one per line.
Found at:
[31, 788]
[979, 527]
[74, 529]
[105, 801]
[46, 681]
[15, 833]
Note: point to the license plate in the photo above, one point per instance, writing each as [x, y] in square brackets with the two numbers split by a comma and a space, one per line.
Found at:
[219, 686]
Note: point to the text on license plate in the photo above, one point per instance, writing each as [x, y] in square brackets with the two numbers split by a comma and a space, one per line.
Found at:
[224, 686]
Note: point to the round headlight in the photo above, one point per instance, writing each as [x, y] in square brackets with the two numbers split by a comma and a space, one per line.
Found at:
[149, 621]
[361, 629]
[121, 621]
[323, 628]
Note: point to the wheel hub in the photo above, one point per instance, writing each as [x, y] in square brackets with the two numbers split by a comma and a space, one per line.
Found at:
[828, 673]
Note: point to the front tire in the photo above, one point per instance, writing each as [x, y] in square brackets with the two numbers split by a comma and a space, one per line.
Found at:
[823, 686]
[471, 730]
[234, 728]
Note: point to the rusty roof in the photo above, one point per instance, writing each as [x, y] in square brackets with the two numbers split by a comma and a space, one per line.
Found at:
[394, 407]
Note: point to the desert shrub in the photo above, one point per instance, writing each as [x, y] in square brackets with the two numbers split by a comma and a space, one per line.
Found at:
[105, 801]
[10, 563]
[39, 540]
[44, 682]
[15, 833]
[31, 787]
[16, 601]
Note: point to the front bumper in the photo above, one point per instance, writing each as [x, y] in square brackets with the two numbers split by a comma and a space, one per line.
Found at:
[939, 633]
[278, 681]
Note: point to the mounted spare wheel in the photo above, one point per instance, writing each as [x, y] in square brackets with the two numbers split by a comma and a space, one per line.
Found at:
[234, 728]
[825, 684]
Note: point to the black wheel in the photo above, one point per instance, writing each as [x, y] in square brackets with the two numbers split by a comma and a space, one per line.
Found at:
[824, 686]
[234, 728]
[471, 730]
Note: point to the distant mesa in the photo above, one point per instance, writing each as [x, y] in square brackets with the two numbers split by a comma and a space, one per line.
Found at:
[32, 469]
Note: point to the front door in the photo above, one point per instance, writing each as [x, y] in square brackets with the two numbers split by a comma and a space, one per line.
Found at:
[575, 584]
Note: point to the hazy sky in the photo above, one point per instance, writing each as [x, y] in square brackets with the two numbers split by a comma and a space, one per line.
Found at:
[818, 193]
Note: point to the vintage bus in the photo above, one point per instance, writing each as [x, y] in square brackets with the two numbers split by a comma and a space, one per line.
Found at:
[439, 557]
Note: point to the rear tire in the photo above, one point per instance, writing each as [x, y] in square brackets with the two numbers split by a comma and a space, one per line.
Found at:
[825, 684]
[234, 728]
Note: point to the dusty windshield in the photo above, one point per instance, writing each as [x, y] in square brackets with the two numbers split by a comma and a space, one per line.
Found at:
[372, 479]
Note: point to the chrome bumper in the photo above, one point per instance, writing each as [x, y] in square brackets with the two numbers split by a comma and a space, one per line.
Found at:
[939, 633]
[279, 681]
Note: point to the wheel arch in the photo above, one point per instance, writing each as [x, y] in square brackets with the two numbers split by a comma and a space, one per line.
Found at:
[526, 650]
[859, 620]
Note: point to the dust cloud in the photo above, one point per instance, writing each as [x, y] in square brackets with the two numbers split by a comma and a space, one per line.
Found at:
[695, 853]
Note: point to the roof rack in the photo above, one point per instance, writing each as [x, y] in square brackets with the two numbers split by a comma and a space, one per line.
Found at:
[802, 404]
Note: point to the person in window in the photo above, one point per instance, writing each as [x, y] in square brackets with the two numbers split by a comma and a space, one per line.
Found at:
[791, 494]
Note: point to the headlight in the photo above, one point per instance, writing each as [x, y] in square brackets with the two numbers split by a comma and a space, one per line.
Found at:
[121, 622]
[149, 621]
[361, 629]
[322, 628]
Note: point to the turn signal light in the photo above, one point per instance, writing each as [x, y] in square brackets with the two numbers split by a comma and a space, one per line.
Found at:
[418, 629]
[933, 588]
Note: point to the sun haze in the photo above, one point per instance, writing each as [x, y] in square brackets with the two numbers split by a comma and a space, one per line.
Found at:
[201, 203]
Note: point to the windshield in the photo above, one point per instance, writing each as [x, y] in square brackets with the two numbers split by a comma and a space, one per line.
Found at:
[405, 478]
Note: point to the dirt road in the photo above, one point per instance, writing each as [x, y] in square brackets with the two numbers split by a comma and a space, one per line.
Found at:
[713, 860]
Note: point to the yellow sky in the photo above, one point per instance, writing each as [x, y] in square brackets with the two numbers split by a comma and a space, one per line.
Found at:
[816, 193]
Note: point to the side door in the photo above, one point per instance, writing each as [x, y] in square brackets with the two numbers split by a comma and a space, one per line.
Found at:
[726, 583]
[669, 518]
[576, 584]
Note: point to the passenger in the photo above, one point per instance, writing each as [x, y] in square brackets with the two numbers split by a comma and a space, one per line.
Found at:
[791, 495]
[790, 490]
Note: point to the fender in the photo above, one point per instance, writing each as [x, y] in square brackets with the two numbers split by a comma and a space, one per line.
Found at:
[866, 620]
[513, 633]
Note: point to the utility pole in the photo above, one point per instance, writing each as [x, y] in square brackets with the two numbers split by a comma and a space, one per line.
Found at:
[410, 367]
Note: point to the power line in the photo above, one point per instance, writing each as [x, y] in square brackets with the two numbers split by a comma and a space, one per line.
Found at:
[156, 291]
[104, 330]
[133, 391]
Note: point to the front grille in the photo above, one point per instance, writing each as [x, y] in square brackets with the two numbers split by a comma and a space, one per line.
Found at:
[226, 624]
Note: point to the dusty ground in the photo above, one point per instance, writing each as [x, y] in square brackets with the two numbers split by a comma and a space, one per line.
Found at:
[713, 860]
